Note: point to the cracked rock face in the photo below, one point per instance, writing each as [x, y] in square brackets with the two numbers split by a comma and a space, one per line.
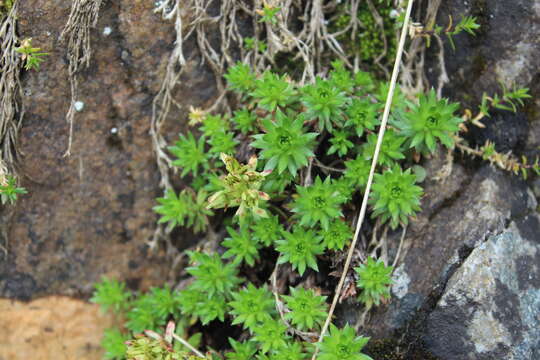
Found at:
[490, 308]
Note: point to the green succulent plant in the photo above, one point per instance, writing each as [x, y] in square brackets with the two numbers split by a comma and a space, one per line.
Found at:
[319, 203]
[213, 125]
[268, 13]
[294, 199]
[9, 191]
[285, 145]
[114, 344]
[241, 350]
[344, 187]
[340, 143]
[185, 209]
[222, 142]
[343, 344]
[374, 279]
[391, 148]
[212, 276]
[191, 299]
[32, 57]
[142, 315]
[338, 234]
[429, 121]
[341, 78]
[244, 120]
[300, 248]
[240, 78]
[252, 306]
[241, 246]
[357, 171]
[273, 91]
[308, 310]
[324, 102]
[266, 231]
[291, 351]
[395, 196]
[362, 115]
[212, 308]
[271, 335]
[111, 294]
[165, 300]
[190, 153]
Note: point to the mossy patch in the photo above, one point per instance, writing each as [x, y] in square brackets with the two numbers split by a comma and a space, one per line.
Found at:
[369, 41]
[479, 10]
[390, 349]
[5, 7]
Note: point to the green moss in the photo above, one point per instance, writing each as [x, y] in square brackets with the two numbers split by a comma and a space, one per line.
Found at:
[479, 10]
[286, 64]
[383, 350]
[480, 65]
[368, 43]
[5, 7]
[389, 349]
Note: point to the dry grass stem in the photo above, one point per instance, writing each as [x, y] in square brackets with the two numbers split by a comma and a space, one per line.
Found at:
[363, 208]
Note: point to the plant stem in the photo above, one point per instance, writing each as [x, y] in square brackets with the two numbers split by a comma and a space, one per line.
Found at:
[188, 345]
[363, 208]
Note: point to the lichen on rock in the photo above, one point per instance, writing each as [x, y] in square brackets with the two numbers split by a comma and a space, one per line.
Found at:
[491, 305]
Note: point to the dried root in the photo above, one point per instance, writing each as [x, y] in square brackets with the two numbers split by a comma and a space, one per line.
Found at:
[11, 108]
[83, 17]
[413, 78]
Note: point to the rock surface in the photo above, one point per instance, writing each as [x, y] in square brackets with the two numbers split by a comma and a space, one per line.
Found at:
[51, 328]
[490, 308]
[90, 214]
[452, 224]
[505, 47]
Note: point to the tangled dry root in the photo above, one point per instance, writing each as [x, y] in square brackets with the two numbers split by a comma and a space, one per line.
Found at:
[82, 18]
[11, 108]
[413, 78]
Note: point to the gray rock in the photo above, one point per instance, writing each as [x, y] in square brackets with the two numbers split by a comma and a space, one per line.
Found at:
[490, 308]
[505, 47]
[451, 225]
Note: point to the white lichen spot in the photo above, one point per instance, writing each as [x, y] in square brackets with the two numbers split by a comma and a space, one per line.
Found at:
[401, 282]
[107, 31]
[79, 106]
[487, 333]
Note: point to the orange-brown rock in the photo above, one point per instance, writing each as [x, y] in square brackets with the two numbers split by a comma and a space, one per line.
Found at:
[50, 328]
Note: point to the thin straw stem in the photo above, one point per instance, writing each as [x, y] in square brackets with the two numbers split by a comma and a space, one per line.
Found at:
[363, 208]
